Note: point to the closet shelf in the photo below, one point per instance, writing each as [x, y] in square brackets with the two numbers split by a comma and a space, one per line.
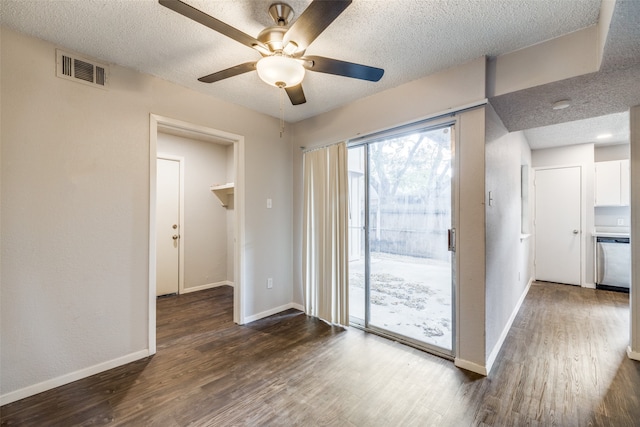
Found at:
[222, 192]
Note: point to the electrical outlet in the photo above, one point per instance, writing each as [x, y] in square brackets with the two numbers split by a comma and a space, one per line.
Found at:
[269, 203]
[269, 283]
[620, 221]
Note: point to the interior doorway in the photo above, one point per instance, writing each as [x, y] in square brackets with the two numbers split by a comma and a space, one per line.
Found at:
[169, 217]
[192, 131]
[558, 219]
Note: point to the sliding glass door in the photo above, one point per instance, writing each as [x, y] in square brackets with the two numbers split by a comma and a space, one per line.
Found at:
[400, 239]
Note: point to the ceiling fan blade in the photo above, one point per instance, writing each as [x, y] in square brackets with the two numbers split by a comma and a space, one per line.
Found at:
[229, 72]
[296, 94]
[313, 21]
[342, 68]
[209, 21]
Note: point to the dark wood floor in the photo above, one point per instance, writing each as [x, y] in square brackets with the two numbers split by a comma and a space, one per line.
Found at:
[563, 363]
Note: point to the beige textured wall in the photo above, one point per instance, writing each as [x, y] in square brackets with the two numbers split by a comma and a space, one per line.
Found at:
[509, 258]
[75, 213]
[441, 92]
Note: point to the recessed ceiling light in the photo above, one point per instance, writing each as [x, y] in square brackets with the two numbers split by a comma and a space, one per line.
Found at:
[561, 105]
[604, 136]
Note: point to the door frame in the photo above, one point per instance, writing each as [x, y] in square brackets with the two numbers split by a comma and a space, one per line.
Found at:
[180, 161]
[158, 122]
[583, 219]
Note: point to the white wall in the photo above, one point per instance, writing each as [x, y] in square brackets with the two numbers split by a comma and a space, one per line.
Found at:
[205, 220]
[509, 256]
[606, 153]
[75, 213]
[404, 104]
[634, 346]
[577, 155]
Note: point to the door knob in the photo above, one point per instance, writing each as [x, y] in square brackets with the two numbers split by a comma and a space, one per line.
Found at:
[575, 231]
[175, 237]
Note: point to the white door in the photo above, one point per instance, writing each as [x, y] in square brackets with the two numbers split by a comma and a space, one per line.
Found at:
[558, 225]
[167, 226]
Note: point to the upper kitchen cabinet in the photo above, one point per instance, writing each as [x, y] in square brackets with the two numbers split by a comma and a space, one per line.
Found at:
[612, 183]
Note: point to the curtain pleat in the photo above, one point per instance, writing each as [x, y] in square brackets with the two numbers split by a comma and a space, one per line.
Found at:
[325, 255]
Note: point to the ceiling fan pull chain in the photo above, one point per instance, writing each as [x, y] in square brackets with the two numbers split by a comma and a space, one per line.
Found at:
[281, 111]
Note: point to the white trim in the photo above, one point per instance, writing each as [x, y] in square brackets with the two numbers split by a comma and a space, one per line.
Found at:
[181, 167]
[153, 171]
[296, 306]
[583, 218]
[156, 122]
[634, 355]
[470, 366]
[455, 225]
[207, 286]
[434, 120]
[503, 336]
[71, 377]
[273, 311]
[449, 112]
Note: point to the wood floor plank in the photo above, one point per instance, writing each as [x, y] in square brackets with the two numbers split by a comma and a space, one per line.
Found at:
[563, 363]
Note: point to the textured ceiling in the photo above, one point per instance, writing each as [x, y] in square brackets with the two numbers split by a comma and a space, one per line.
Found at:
[591, 95]
[581, 132]
[623, 42]
[409, 39]
[601, 95]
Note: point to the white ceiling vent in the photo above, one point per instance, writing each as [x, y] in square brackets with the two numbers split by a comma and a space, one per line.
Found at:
[81, 70]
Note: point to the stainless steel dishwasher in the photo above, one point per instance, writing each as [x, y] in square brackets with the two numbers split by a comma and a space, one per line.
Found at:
[613, 263]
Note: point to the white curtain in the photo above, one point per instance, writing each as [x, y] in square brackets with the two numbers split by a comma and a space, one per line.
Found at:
[325, 222]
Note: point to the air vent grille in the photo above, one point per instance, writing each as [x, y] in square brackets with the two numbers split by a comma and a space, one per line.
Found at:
[81, 70]
[66, 66]
[100, 76]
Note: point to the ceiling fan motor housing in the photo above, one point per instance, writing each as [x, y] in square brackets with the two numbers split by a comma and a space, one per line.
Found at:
[281, 13]
[272, 38]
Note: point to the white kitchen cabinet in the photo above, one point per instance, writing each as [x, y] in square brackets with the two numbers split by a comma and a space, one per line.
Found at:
[612, 183]
[625, 183]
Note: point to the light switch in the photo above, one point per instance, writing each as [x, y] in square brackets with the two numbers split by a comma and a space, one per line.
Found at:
[269, 204]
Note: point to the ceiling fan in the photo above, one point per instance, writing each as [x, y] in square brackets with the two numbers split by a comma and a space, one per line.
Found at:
[282, 47]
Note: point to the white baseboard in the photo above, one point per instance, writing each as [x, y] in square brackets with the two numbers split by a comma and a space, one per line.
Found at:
[634, 355]
[503, 336]
[207, 286]
[589, 285]
[267, 313]
[470, 366]
[297, 306]
[71, 377]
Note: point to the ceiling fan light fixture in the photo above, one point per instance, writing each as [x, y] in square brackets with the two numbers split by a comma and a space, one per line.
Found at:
[280, 71]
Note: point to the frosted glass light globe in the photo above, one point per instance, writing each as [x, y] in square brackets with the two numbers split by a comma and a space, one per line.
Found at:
[280, 71]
